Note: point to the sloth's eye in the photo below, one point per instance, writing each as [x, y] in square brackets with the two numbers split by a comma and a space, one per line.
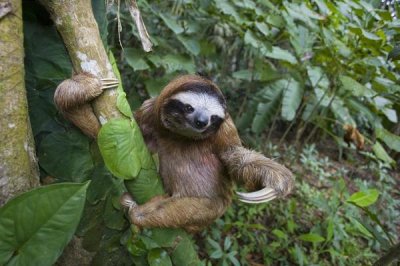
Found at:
[188, 108]
[214, 118]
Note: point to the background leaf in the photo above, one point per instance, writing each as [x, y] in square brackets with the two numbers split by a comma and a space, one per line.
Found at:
[364, 198]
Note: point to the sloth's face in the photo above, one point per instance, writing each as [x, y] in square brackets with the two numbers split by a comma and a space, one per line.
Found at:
[194, 114]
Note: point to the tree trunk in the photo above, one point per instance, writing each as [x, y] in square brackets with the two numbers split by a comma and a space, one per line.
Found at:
[18, 164]
[75, 22]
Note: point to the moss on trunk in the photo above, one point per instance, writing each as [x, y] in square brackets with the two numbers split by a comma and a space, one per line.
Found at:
[18, 164]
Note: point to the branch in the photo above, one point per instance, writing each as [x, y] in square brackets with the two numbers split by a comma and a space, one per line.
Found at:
[75, 22]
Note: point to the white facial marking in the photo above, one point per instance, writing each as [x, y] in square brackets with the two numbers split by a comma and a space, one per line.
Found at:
[201, 101]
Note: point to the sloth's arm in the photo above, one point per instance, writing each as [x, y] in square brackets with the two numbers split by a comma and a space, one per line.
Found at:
[72, 99]
[257, 172]
[189, 213]
[251, 168]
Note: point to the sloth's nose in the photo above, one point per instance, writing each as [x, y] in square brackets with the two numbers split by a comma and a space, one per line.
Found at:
[201, 121]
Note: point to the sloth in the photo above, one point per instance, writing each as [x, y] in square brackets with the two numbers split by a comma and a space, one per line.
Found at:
[199, 150]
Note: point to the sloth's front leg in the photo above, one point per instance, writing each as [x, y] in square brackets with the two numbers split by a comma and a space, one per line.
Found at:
[73, 96]
[189, 213]
[256, 172]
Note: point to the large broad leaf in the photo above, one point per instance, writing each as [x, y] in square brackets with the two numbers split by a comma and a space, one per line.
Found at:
[292, 96]
[267, 109]
[355, 87]
[364, 198]
[123, 149]
[391, 140]
[341, 112]
[36, 226]
[380, 152]
[66, 155]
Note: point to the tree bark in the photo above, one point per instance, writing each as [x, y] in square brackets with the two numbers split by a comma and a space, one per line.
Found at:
[18, 164]
[75, 22]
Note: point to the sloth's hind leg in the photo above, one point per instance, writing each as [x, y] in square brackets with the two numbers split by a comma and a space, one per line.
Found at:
[189, 213]
[73, 96]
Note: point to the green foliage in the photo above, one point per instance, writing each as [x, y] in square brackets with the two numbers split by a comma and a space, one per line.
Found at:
[337, 59]
[41, 221]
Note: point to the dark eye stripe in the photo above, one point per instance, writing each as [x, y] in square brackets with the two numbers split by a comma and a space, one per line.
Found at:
[174, 106]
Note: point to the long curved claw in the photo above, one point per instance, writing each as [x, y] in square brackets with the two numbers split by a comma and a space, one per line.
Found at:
[264, 195]
[108, 83]
[127, 201]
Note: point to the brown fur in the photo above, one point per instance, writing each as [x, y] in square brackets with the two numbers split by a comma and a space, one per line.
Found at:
[197, 173]
[72, 99]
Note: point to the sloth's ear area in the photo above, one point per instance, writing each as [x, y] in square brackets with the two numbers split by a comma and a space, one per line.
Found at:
[255, 171]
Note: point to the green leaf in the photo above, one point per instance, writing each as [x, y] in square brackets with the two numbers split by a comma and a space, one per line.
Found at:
[391, 140]
[279, 233]
[190, 44]
[364, 198]
[171, 23]
[394, 54]
[251, 39]
[266, 110]
[100, 185]
[361, 228]
[185, 253]
[292, 97]
[341, 111]
[280, 54]
[122, 103]
[311, 237]
[158, 257]
[329, 229]
[146, 186]
[123, 149]
[41, 221]
[380, 152]
[354, 87]
[263, 28]
[134, 58]
[66, 155]
[228, 9]
[174, 63]
[227, 243]
[217, 254]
